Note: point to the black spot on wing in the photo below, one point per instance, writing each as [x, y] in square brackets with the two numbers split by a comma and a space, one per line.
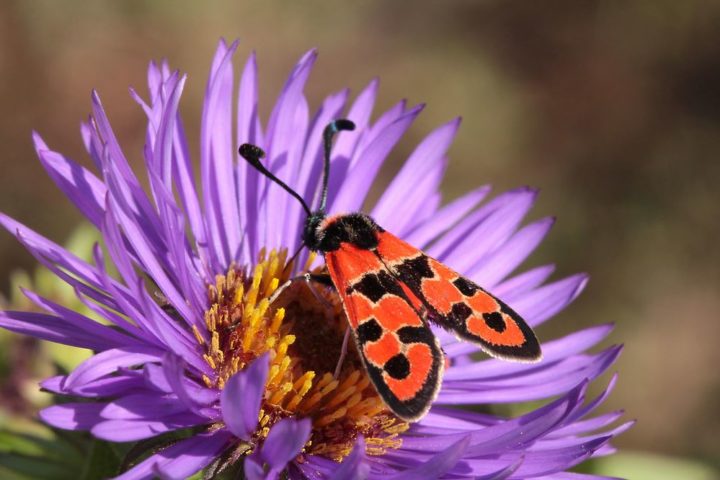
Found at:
[409, 335]
[398, 367]
[465, 286]
[413, 270]
[375, 285]
[459, 313]
[495, 321]
[369, 331]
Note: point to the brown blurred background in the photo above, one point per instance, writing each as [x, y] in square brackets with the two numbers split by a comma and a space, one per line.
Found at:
[612, 108]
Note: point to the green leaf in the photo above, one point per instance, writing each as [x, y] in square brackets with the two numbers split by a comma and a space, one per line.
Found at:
[102, 462]
[34, 467]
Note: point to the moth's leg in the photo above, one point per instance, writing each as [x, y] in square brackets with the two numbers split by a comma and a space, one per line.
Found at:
[308, 278]
[322, 278]
[343, 353]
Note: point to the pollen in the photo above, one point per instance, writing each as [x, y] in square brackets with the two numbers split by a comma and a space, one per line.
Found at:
[301, 325]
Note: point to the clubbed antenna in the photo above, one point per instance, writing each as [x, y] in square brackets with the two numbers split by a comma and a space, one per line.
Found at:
[253, 154]
[328, 134]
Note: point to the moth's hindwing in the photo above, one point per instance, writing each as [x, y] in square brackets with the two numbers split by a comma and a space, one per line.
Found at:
[400, 352]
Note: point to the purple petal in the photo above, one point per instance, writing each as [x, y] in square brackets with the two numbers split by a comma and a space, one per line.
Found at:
[359, 113]
[416, 181]
[505, 259]
[512, 202]
[554, 350]
[182, 459]
[248, 131]
[112, 337]
[72, 416]
[154, 377]
[362, 174]
[586, 426]
[52, 328]
[110, 361]
[54, 253]
[154, 264]
[82, 187]
[240, 399]
[119, 384]
[193, 396]
[253, 469]
[53, 384]
[285, 441]
[543, 385]
[140, 429]
[537, 463]
[285, 139]
[445, 218]
[593, 404]
[502, 435]
[488, 234]
[546, 301]
[438, 465]
[142, 406]
[217, 156]
[354, 467]
[523, 282]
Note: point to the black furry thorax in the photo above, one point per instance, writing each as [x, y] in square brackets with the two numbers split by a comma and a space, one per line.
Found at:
[326, 234]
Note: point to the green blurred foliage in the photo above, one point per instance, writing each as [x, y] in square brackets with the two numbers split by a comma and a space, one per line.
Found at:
[611, 108]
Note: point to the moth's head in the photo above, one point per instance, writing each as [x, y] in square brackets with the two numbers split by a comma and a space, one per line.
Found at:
[326, 234]
[312, 232]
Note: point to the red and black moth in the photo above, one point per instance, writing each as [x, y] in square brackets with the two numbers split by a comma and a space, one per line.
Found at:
[391, 290]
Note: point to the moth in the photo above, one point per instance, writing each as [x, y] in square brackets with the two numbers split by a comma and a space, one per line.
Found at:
[391, 291]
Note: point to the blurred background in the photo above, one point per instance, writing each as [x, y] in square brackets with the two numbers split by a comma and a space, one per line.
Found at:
[611, 108]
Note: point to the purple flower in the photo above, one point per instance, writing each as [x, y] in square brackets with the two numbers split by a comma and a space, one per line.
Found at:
[185, 336]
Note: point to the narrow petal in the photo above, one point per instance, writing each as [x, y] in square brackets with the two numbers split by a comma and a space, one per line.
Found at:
[555, 350]
[445, 218]
[193, 396]
[142, 406]
[405, 187]
[241, 397]
[81, 322]
[81, 186]
[217, 155]
[359, 113]
[248, 131]
[362, 174]
[140, 429]
[52, 328]
[523, 282]
[543, 385]
[285, 140]
[544, 302]
[487, 235]
[438, 465]
[109, 361]
[354, 467]
[53, 252]
[539, 463]
[491, 270]
[72, 416]
[182, 459]
[514, 203]
[285, 441]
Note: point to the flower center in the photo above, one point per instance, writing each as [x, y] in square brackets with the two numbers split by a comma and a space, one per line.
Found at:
[303, 330]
